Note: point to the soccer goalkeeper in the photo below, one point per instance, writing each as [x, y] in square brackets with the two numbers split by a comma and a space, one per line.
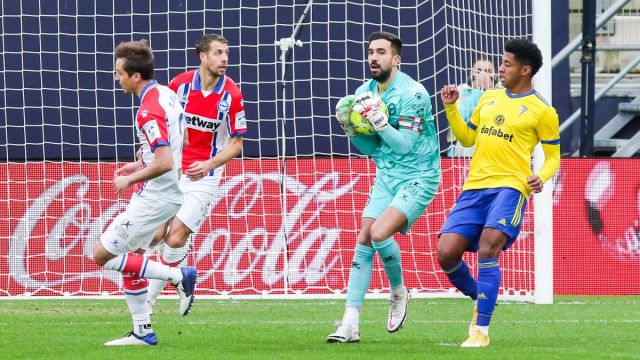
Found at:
[505, 127]
[406, 152]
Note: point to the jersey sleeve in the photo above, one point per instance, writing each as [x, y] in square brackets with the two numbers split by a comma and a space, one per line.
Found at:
[151, 119]
[237, 119]
[174, 84]
[416, 110]
[548, 127]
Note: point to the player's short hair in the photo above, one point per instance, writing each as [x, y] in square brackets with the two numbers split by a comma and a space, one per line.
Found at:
[204, 43]
[137, 56]
[396, 43]
[526, 52]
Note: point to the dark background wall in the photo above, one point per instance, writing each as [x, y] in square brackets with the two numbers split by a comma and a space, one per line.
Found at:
[59, 99]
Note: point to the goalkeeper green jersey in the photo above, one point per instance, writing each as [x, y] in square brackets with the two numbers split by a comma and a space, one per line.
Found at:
[409, 108]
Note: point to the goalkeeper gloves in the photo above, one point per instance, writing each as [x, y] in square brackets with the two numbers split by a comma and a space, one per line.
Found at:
[343, 109]
[368, 105]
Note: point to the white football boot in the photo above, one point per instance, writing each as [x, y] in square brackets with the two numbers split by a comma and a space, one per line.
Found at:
[398, 304]
[133, 339]
[186, 289]
[345, 333]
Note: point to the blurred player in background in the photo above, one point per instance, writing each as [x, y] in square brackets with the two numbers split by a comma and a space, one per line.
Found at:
[406, 152]
[156, 201]
[481, 78]
[216, 123]
[505, 127]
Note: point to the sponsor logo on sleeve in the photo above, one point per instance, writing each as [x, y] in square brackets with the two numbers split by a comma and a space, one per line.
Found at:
[152, 130]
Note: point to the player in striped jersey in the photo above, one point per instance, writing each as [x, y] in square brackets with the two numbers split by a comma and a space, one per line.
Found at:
[157, 199]
[505, 127]
[214, 113]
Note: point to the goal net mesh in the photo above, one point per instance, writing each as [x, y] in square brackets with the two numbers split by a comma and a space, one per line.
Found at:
[288, 210]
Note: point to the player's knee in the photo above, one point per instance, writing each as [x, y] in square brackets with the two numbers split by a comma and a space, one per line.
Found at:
[377, 235]
[449, 254]
[447, 257]
[177, 239]
[379, 232]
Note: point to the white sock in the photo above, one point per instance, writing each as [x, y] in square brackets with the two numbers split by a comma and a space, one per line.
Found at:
[169, 255]
[483, 329]
[155, 288]
[351, 317]
[157, 270]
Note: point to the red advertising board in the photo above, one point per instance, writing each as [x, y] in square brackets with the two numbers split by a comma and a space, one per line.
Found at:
[51, 215]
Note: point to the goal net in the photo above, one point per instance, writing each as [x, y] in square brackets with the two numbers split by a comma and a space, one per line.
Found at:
[288, 211]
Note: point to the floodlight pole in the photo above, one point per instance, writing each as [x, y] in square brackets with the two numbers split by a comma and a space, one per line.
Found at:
[285, 45]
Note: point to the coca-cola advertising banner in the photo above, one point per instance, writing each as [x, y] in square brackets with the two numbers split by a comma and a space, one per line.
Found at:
[51, 215]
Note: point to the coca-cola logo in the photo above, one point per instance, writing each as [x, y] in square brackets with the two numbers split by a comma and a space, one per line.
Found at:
[273, 254]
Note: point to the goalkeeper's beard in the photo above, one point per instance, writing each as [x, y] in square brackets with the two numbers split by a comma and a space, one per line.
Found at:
[383, 75]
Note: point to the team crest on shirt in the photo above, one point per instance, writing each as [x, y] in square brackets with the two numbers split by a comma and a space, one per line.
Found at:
[523, 109]
[223, 106]
[144, 113]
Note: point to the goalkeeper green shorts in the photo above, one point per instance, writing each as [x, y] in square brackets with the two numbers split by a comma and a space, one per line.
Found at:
[410, 196]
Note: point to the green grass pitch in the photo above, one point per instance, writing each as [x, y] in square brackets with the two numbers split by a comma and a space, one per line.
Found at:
[572, 328]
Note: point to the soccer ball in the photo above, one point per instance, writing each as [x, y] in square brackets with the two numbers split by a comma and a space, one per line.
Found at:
[361, 125]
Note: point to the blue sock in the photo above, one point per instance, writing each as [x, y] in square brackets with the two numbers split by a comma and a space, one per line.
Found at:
[461, 278]
[488, 285]
[359, 275]
[390, 255]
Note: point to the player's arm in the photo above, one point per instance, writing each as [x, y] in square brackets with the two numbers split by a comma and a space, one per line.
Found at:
[400, 141]
[199, 169]
[162, 163]
[366, 144]
[549, 135]
[464, 131]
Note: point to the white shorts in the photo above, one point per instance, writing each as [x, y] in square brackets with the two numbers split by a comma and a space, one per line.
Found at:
[134, 228]
[198, 196]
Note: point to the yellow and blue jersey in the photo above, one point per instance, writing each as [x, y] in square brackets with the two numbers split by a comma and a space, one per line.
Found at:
[505, 128]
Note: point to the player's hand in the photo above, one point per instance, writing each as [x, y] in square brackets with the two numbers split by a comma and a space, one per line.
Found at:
[449, 94]
[120, 183]
[343, 108]
[129, 168]
[535, 183]
[198, 170]
[369, 108]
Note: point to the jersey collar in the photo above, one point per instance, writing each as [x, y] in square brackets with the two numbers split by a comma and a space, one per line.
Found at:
[216, 89]
[146, 88]
[516, 96]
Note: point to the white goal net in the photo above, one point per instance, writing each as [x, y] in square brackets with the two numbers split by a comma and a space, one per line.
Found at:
[289, 209]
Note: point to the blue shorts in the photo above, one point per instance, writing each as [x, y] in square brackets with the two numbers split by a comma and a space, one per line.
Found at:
[409, 196]
[500, 208]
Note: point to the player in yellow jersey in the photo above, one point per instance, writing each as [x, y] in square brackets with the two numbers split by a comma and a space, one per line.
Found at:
[505, 127]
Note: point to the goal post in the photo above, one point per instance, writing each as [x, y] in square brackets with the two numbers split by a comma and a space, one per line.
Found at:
[543, 212]
[287, 213]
